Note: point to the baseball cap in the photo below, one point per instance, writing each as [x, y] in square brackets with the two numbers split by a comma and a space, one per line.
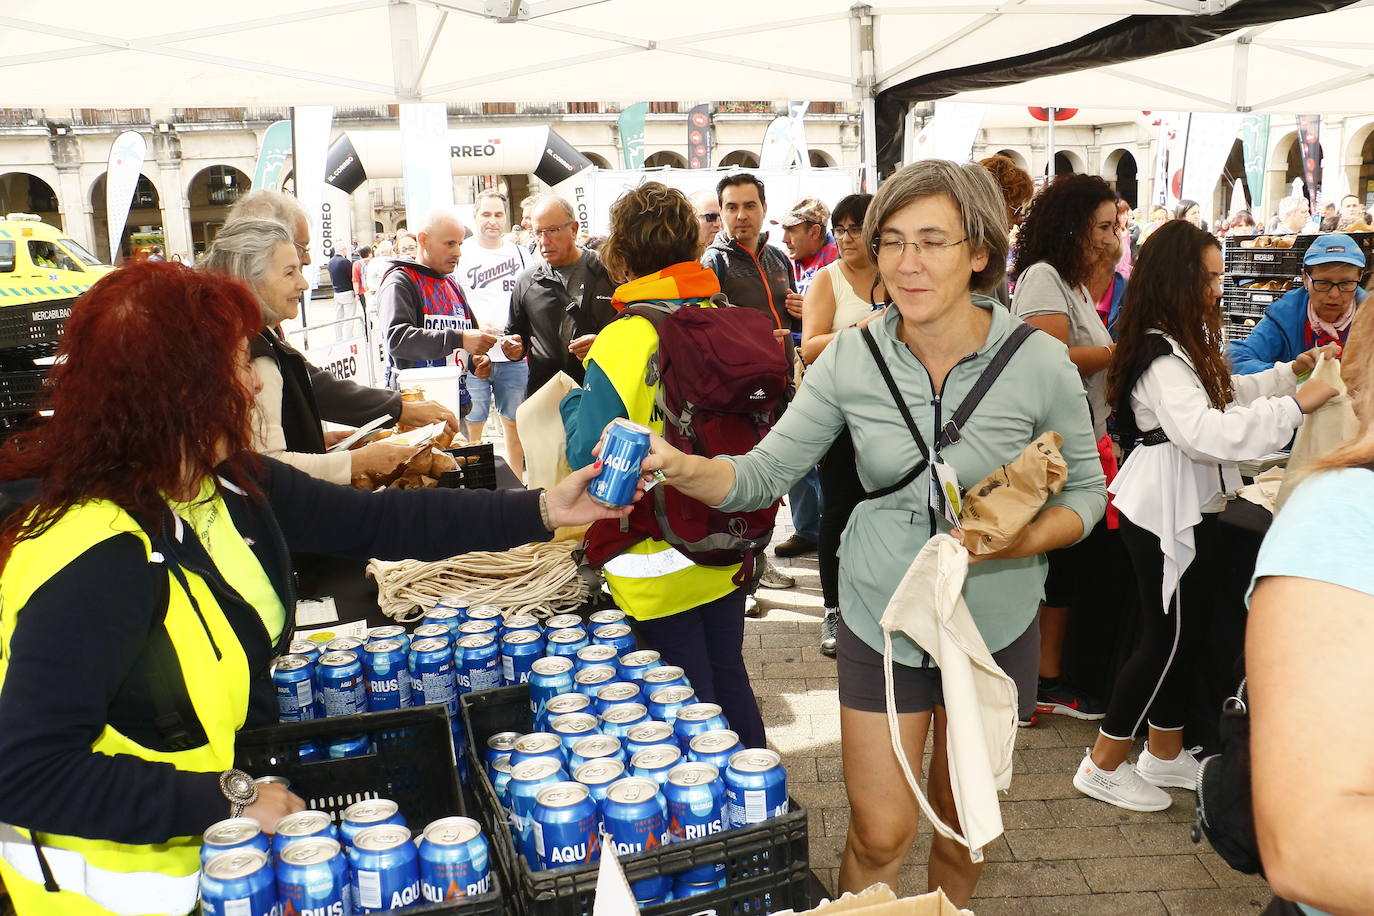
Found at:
[1336, 248]
[809, 210]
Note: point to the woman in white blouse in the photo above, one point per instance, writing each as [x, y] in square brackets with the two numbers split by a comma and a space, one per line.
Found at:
[1173, 392]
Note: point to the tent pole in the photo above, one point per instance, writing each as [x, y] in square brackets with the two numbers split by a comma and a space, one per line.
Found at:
[296, 193]
[1049, 146]
[865, 82]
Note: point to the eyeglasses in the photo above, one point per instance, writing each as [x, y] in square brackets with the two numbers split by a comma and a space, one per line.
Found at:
[711, 217]
[545, 233]
[849, 232]
[1326, 286]
[894, 249]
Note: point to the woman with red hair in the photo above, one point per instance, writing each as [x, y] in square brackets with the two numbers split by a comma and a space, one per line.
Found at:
[146, 586]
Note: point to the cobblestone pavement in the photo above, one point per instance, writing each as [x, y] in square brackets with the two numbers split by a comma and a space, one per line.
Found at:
[1063, 853]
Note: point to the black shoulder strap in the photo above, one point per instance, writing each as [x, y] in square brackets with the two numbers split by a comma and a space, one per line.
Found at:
[906, 417]
[950, 433]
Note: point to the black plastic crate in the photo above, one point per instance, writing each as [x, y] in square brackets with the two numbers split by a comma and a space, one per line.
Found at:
[23, 391]
[476, 467]
[767, 864]
[36, 325]
[1265, 262]
[412, 764]
[1248, 303]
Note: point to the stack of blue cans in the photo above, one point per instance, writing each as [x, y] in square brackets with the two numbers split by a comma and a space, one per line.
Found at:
[370, 864]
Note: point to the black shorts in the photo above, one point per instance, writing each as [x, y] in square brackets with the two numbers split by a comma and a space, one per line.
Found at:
[862, 685]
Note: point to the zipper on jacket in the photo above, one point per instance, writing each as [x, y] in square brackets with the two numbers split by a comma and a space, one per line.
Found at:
[767, 290]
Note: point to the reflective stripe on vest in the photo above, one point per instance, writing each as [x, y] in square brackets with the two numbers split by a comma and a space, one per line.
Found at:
[648, 565]
[125, 893]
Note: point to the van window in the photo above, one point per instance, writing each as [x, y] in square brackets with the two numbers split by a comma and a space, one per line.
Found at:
[48, 255]
[81, 254]
[6, 257]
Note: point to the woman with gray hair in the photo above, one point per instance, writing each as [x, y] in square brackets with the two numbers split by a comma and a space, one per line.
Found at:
[938, 234]
[287, 420]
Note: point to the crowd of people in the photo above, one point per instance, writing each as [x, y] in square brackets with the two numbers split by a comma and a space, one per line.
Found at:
[167, 491]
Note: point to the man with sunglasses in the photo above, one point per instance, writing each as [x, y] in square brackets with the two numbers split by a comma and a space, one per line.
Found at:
[1317, 313]
[708, 215]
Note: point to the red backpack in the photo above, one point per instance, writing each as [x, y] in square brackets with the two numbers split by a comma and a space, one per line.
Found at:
[721, 380]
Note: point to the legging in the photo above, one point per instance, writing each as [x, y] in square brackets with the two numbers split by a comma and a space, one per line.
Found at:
[1152, 685]
[840, 493]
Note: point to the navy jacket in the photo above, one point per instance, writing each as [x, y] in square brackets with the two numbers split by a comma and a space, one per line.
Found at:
[1280, 336]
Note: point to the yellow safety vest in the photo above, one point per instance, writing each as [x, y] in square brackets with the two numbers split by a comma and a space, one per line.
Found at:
[100, 877]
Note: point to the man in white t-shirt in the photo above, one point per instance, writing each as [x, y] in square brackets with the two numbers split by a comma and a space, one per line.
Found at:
[486, 271]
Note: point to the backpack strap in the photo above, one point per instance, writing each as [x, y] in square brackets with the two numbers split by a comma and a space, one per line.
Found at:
[906, 417]
[950, 433]
[655, 312]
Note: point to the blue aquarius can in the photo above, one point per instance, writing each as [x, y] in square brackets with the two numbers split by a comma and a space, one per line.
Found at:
[635, 818]
[755, 786]
[498, 745]
[633, 665]
[592, 678]
[459, 735]
[619, 636]
[567, 641]
[616, 693]
[656, 762]
[486, 612]
[432, 678]
[597, 776]
[595, 747]
[521, 622]
[458, 603]
[432, 631]
[234, 833]
[499, 771]
[293, 676]
[449, 617]
[306, 647]
[239, 883]
[481, 662]
[535, 745]
[715, 748]
[684, 889]
[567, 826]
[696, 809]
[664, 676]
[349, 746]
[666, 702]
[623, 451]
[648, 734]
[390, 631]
[386, 869]
[309, 752]
[695, 719]
[479, 628]
[519, 649]
[455, 861]
[388, 675]
[312, 877]
[619, 719]
[596, 656]
[344, 644]
[563, 622]
[563, 704]
[301, 826]
[373, 812]
[609, 615]
[526, 779]
[549, 677]
[572, 727]
[342, 684]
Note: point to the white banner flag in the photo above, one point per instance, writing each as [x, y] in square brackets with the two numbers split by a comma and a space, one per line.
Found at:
[777, 149]
[797, 112]
[1210, 138]
[311, 124]
[425, 163]
[950, 133]
[121, 179]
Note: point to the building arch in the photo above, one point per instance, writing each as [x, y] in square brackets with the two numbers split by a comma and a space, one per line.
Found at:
[145, 219]
[1021, 161]
[1121, 171]
[24, 192]
[739, 158]
[597, 160]
[1067, 162]
[665, 158]
[820, 159]
[210, 194]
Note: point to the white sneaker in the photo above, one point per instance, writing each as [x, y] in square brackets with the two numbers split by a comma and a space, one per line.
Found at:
[1122, 787]
[1181, 772]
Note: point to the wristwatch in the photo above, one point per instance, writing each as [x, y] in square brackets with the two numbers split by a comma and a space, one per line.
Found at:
[239, 788]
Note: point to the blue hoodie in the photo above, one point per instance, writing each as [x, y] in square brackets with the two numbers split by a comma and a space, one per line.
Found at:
[1280, 336]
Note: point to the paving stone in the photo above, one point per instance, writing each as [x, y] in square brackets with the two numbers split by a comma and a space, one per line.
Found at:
[1162, 839]
[825, 683]
[1032, 879]
[1067, 843]
[789, 640]
[766, 626]
[830, 768]
[1026, 815]
[1157, 874]
[772, 669]
[1042, 785]
[836, 821]
[1146, 904]
[1219, 902]
[1061, 760]
[1080, 811]
[820, 794]
[750, 641]
[776, 687]
[800, 769]
[1226, 876]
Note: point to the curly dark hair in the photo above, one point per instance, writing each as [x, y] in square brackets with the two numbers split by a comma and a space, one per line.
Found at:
[1057, 223]
[1168, 292]
[652, 227]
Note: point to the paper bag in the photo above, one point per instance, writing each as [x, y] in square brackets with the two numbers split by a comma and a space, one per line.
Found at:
[999, 506]
[878, 900]
[541, 433]
[1322, 430]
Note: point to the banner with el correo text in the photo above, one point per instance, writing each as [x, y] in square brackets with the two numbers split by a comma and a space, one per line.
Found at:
[1254, 142]
[631, 127]
[425, 166]
[1310, 148]
[122, 172]
[311, 125]
[272, 155]
[1211, 135]
[950, 133]
[699, 137]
